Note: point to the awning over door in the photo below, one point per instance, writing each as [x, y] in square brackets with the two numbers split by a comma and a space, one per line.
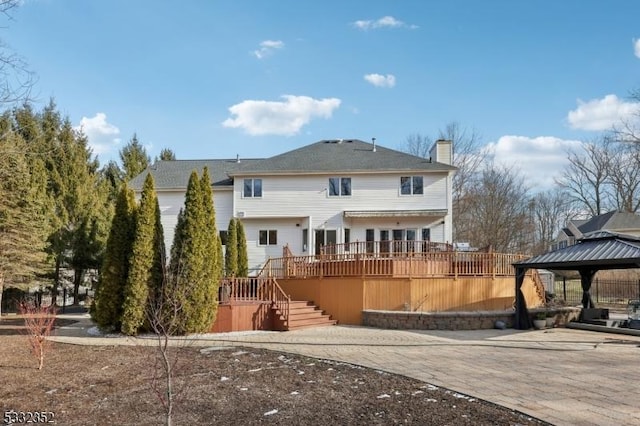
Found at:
[394, 213]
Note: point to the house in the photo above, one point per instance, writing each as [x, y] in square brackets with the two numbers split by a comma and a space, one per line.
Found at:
[614, 221]
[328, 192]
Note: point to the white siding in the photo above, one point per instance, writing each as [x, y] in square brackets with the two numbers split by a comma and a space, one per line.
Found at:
[290, 204]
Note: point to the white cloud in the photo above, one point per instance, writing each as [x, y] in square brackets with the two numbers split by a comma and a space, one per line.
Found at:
[601, 114]
[380, 80]
[267, 47]
[102, 136]
[539, 159]
[636, 47]
[286, 117]
[384, 22]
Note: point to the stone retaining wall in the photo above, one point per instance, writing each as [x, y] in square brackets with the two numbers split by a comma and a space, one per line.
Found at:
[401, 320]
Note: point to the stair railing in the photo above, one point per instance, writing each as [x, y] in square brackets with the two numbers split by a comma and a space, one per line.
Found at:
[279, 299]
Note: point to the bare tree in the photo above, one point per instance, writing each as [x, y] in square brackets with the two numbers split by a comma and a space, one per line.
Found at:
[586, 176]
[16, 79]
[419, 145]
[551, 210]
[163, 317]
[468, 156]
[624, 176]
[499, 211]
[629, 129]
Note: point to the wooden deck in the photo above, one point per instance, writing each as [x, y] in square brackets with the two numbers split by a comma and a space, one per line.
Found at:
[344, 281]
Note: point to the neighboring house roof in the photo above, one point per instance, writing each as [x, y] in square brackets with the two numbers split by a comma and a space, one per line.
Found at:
[600, 250]
[327, 156]
[611, 221]
[342, 155]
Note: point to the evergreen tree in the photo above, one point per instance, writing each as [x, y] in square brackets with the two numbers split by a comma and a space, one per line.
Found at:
[213, 259]
[243, 257]
[23, 215]
[79, 207]
[196, 257]
[109, 300]
[187, 258]
[167, 154]
[134, 158]
[143, 263]
[231, 251]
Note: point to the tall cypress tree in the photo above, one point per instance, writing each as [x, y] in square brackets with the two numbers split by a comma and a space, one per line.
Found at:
[144, 266]
[187, 258]
[231, 251]
[212, 256]
[107, 311]
[196, 257]
[134, 158]
[243, 257]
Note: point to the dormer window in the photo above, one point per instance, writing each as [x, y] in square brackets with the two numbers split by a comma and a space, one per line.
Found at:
[252, 188]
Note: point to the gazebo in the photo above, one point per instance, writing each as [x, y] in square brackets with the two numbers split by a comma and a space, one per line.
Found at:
[592, 253]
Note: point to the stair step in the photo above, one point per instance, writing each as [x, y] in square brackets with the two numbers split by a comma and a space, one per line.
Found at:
[303, 314]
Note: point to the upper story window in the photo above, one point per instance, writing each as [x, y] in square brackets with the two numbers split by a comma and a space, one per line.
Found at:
[411, 185]
[339, 187]
[252, 188]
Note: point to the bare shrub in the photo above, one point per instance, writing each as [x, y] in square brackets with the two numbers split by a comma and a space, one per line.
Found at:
[39, 322]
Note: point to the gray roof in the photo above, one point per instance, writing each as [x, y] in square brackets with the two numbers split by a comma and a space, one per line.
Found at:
[175, 173]
[343, 155]
[599, 250]
[327, 156]
[611, 221]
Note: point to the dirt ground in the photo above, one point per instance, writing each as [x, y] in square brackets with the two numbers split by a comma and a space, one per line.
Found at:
[112, 385]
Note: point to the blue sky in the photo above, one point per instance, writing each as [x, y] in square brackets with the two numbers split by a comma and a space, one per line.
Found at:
[216, 79]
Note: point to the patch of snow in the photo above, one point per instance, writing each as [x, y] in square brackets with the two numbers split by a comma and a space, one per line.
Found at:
[105, 367]
[310, 364]
[244, 389]
[300, 372]
[430, 387]
[397, 393]
[418, 392]
[384, 395]
[239, 353]
[224, 379]
[270, 413]
[295, 393]
[254, 370]
[213, 349]
[49, 392]
[95, 331]
[431, 400]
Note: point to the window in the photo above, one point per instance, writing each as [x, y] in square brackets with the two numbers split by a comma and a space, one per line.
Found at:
[268, 237]
[339, 187]
[223, 237]
[252, 188]
[411, 185]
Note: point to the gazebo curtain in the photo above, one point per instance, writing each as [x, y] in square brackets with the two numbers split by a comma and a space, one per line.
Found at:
[586, 277]
[521, 321]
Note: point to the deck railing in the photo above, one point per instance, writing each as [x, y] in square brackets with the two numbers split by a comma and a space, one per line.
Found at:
[384, 248]
[397, 264]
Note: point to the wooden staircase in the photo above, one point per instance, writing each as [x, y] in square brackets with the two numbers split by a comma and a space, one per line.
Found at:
[302, 314]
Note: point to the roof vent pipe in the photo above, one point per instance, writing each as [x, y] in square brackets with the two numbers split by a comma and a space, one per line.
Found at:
[237, 158]
[374, 144]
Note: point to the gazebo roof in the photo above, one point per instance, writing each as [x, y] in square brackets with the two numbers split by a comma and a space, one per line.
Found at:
[598, 250]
